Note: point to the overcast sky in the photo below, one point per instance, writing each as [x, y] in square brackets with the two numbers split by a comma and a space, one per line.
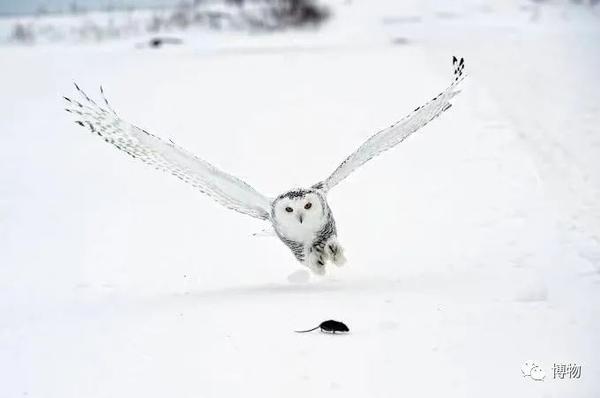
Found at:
[30, 6]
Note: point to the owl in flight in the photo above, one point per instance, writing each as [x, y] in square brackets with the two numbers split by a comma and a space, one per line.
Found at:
[300, 217]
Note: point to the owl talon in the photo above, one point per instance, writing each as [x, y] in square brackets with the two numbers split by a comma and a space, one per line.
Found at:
[336, 252]
[333, 249]
[317, 269]
[316, 261]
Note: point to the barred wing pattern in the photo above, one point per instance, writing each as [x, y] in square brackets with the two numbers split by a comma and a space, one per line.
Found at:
[226, 189]
[398, 132]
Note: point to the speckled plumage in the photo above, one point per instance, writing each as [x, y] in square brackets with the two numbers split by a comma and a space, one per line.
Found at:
[315, 243]
[301, 217]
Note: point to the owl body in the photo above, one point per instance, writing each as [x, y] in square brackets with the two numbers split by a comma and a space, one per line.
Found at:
[301, 218]
[304, 222]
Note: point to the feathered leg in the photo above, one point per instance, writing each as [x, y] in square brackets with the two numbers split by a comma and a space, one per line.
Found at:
[335, 251]
[316, 260]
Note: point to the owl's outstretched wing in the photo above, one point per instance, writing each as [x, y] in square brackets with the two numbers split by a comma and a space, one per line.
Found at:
[398, 132]
[226, 189]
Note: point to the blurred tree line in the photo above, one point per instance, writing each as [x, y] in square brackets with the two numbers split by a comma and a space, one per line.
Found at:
[114, 22]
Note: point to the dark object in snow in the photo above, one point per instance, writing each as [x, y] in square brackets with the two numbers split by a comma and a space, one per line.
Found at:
[161, 41]
[282, 14]
[400, 41]
[329, 326]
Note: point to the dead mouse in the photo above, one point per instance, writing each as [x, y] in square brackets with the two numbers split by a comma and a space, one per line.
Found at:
[329, 326]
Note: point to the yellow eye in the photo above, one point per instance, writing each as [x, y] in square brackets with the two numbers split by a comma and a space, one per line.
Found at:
[289, 209]
[308, 205]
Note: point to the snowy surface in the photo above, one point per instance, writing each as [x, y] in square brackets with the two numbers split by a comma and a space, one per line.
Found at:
[473, 247]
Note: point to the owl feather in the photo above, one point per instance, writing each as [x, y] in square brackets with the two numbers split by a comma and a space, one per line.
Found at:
[311, 235]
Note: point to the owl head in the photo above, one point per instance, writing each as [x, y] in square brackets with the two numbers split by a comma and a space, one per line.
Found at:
[299, 210]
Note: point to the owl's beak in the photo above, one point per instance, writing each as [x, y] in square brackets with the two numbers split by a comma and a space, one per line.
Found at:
[300, 216]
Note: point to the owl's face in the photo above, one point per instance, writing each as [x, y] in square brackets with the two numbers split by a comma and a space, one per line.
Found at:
[299, 213]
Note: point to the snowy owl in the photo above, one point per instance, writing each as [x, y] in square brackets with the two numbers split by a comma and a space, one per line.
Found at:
[301, 217]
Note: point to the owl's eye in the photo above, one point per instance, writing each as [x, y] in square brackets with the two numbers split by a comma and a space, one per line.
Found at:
[308, 205]
[289, 209]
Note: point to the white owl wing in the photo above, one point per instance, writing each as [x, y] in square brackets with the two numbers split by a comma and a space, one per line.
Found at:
[397, 132]
[226, 189]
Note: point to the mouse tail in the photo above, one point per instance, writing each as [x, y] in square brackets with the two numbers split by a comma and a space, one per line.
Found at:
[306, 331]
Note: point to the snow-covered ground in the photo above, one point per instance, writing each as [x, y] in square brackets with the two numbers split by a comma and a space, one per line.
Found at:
[473, 246]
